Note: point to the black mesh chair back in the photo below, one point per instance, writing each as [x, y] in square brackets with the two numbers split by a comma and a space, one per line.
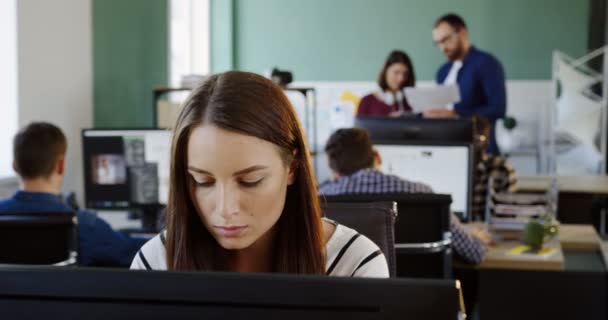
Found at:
[422, 231]
[48, 238]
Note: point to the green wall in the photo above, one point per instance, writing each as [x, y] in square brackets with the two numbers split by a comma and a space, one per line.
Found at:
[130, 58]
[349, 39]
[337, 40]
[221, 39]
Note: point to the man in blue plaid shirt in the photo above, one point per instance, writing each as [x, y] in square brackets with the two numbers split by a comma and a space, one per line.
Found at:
[356, 164]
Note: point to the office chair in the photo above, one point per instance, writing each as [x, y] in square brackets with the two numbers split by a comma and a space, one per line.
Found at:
[48, 238]
[423, 243]
[375, 220]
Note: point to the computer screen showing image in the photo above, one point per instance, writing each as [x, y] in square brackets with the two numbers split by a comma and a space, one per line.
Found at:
[125, 168]
[446, 168]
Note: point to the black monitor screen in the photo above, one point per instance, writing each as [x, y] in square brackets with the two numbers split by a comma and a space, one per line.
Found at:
[125, 167]
[418, 129]
[117, 294]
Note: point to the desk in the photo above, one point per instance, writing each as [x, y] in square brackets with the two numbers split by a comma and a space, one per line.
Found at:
[497, 257]
[570, 238]
[509, 290]
[504, 287]
[579, 237]
[571, 184]
[582, 248]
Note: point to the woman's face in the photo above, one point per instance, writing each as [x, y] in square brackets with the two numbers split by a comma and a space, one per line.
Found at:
[240, 184]
[396, 75]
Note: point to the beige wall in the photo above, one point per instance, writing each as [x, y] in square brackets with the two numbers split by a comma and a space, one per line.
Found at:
[55, 72]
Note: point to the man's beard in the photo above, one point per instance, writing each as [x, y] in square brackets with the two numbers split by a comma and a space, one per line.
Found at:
[456, 54]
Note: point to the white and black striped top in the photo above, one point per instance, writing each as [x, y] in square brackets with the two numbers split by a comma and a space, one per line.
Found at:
[349, 254]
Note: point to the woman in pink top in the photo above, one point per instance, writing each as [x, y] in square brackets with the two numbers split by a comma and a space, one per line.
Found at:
[396, 74]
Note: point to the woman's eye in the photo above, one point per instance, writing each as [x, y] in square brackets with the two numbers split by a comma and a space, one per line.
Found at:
[204, 183]
[250, 184]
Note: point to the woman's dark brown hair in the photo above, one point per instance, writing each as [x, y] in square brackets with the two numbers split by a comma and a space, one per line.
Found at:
[249, 104]
[397, 56]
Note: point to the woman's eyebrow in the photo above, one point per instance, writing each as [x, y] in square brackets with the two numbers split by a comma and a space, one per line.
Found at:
[240, 172]
[197, 170]
[249, 170]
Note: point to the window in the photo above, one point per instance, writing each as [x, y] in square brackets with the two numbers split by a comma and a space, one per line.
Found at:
[189, 38]
[8, 84]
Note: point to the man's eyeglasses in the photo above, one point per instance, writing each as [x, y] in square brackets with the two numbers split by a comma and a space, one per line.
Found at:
[446, 39]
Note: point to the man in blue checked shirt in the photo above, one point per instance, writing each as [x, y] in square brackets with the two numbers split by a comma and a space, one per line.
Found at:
[355, 165]
[39, 158]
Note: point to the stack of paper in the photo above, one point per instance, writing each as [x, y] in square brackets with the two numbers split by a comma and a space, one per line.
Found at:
[425, 98]
[510, 212]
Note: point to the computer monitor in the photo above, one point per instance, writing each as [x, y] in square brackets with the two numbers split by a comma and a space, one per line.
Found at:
[123, 294]
[446, 168]
[126, 168]
[418, 130]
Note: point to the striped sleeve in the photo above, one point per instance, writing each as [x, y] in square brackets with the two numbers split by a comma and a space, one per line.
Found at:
[373, 266]
[152, 255]
[140, 262]
[343, 250]
[354, 255]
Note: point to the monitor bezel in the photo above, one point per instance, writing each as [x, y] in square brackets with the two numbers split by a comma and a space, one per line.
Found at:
[242, 291]
[131, 206]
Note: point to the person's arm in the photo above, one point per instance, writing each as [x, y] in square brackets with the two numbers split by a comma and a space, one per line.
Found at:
[441, 74]
[376, 267]
[355, 255]
[101, 245]
[467, 247]
[138, 264]
[152, 255]
[440, 112]
[492, 77]
[370, 262]
[364, 106]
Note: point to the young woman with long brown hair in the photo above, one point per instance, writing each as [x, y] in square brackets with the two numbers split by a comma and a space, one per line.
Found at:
[242, 196]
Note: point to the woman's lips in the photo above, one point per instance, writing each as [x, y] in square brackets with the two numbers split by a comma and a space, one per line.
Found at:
[230, 231]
